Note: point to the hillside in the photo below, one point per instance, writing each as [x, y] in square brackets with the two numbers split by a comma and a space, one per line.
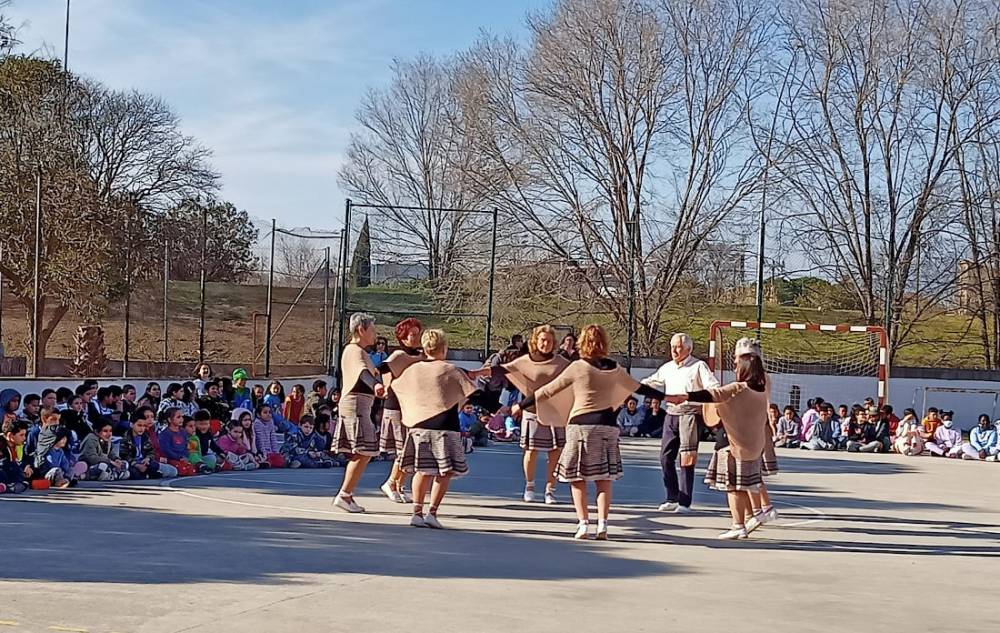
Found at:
[946, 341]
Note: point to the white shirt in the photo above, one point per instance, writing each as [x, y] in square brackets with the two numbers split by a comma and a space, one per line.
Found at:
[673, 379]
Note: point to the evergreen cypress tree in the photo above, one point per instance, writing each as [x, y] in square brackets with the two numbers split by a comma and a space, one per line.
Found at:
[361, 263]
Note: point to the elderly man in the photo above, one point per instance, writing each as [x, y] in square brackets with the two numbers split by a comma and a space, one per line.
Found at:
[683, 374]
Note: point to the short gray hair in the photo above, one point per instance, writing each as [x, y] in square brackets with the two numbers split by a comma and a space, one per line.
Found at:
[360, 321]
[685, 340]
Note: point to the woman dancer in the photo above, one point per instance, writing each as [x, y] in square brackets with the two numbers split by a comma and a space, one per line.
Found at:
[584, 398]
[741, 408]
[430, 394]
[529, 373]
[393, 436]
[355, 432]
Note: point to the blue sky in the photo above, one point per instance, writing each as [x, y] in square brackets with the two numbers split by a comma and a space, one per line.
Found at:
[270, 86]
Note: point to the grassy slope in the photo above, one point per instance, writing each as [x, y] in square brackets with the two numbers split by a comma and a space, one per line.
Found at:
[229, 307]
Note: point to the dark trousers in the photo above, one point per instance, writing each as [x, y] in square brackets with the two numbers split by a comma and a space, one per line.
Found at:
[678, 490]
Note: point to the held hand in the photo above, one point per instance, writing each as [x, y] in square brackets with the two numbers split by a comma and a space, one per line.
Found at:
[482, 372]
[678, 399]
[379, 390]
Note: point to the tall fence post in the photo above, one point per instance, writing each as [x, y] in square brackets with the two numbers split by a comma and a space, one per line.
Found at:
[345, 253]
[35, 364]
[201, 284]
[335, 304]
[128, 294]
[326, 306]
[489, 299]
[166, 284]
[270, 294]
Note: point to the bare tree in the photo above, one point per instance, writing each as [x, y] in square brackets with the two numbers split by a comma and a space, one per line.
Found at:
[135, 148]
[409, 155]
[7, 32]
[878, 110]
[611, 97]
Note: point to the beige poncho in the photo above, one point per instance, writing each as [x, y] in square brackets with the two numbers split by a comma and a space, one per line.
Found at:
[743, 413]
[529, 376]
[429, 388]
[352, 363]
[398, 362]
[583, 388]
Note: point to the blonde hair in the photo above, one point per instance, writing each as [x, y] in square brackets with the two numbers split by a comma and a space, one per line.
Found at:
[537, 334]
[593, 342]
[433, 341]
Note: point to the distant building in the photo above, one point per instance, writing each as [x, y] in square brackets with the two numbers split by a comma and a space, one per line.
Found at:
[398, 272]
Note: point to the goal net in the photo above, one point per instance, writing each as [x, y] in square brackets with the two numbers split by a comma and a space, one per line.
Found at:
[843, 364]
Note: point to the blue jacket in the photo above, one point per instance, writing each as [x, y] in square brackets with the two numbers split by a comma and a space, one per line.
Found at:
[300, 444]
[983, 440]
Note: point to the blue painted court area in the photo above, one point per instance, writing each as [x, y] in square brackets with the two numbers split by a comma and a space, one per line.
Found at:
[265, 551]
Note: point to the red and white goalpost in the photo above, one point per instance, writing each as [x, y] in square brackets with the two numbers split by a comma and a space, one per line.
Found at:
[843, 364]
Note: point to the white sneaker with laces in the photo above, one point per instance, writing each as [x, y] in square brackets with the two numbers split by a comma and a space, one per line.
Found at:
[737, 532]
[417, 521]
[405, 496]
[347, 505]
[581, 531]
[668, 506]
[550, 498]
[432, 522]
[753, 523]
[529, 495]
[392, 494]
[683, 510]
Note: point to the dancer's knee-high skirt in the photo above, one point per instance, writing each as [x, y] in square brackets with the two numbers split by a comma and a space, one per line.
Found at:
[393, 436]
[728, 474]
[355, 432]
[591, 454]
[536, 436]
[434, 452]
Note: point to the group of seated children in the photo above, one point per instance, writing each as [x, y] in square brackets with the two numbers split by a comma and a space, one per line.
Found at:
[102, 434]
[870, 429]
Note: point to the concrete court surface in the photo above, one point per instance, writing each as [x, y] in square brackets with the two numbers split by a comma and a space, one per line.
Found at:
[865, 542]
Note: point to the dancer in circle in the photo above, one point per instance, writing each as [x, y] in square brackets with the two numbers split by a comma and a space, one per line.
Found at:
[529, 373]
[430, 394]
[681, 374]
[584, 398]
[741, 408]
[355, 432]
[393, 435]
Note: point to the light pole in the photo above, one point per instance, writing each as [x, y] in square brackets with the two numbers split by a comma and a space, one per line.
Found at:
[66, 42]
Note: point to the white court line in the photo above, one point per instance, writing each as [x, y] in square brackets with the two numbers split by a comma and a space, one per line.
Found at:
[822, 517]
[169, 486]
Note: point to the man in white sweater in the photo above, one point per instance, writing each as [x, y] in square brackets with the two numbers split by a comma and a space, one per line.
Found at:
[683, 374]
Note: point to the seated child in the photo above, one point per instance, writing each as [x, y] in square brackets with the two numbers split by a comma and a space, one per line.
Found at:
[101, 454]
[265, 437]
[305, 449]
[194, 448]
[236, 453]
[14, 474]
[51, 455]
[173, 443]
[137, 449]
[210, 451]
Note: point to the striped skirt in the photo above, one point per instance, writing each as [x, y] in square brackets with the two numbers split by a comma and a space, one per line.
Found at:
[432, 452]
[728, 474]
[355, 432]
[591, 454]
[536, 436]
[393, 435]
[769, 467]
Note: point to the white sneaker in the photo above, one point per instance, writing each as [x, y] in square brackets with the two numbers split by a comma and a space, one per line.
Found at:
[529, 495]
[347, 505]
[405, 496]
[392, 494]
[581, 531]
[418, 521]
[753, 523]
[602, 531]
[682, 510]
[550, 498]
[767, 517]
[668, 506]
[733, 534]
[432, 522]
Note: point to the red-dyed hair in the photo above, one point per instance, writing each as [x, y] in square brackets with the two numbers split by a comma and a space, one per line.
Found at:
[403, 327]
